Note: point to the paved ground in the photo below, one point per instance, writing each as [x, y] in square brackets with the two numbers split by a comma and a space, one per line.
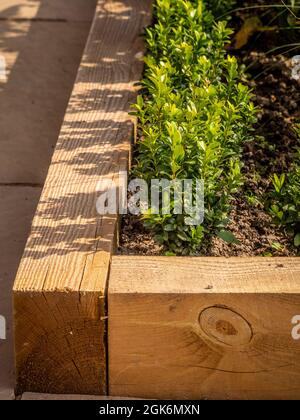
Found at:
[41, 42]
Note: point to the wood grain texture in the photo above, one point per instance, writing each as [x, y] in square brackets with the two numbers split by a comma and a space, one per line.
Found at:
[59, 292]
[204, 328]
[54, 397]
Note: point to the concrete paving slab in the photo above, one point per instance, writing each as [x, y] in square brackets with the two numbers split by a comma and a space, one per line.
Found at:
[17, 206]
[42, 61]
[7, 395]
[71, 10]
[39, 60]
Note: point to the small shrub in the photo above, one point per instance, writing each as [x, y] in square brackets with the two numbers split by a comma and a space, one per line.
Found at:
[284, 198]
[194, 117]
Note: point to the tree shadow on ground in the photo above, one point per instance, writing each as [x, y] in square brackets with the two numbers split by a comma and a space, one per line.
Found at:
[33, 99]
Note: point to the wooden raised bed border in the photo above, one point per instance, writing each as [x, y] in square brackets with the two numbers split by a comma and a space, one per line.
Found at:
[204, 328]
[178, 327]
[59, 292]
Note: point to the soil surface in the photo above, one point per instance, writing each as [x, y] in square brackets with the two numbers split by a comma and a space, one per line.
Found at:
[277, 96]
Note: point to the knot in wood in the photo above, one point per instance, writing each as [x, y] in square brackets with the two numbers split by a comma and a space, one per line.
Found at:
[225, 326]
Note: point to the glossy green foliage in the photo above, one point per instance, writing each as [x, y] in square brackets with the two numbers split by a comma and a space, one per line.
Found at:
[194, 116]
[285, 197]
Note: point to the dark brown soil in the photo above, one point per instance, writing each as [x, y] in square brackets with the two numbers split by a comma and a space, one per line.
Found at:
[277, 95]
[134, 239]
[254, 230]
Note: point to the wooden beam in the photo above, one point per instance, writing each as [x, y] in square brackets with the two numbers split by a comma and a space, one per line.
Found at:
[204, 328]
[59, 292]
[63, 397]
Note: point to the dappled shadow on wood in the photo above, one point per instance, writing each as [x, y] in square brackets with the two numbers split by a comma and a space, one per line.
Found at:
[61, 285]
[94, 143]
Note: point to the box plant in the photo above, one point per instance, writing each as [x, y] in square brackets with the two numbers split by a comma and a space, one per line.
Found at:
[197, 122]
[194, 117]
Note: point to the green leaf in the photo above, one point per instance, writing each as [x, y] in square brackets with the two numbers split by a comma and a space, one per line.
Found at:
[140, 101]
[297, 240]
[267, 254]
[159, 238]
[182, 236]
[178, 152]
[278, 182]
[169, 254]
[169, 228]
[277, 246]
[227, 237]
